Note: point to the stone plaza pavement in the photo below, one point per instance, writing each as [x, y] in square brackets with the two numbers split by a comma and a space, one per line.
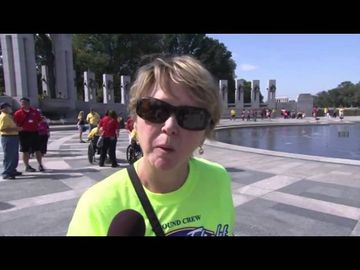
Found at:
[275, 194]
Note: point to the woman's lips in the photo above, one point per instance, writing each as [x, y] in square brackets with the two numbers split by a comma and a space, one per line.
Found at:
[166, 148]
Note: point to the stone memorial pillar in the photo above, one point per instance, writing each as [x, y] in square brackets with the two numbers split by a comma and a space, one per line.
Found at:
[239, 94]
[18, 52]
[255, 94]
[272, 94]
[223, 93]
[89, 87]
[45, 80]
[125, 89]
[64, 69]
[305, 104]
[108, 89]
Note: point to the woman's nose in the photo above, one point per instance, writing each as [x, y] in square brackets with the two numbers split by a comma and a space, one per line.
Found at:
[171, 126]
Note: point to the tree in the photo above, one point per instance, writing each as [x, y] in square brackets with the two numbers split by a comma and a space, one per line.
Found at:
[247, 92]
[44, 55]
[345, 94]
[117, 54]
[345, 84]
[123, 54]
[213, 54]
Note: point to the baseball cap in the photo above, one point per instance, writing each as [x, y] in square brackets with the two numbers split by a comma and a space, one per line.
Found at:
[4, 105]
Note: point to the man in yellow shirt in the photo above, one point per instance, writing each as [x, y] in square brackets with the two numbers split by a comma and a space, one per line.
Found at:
[93, 118]
[10, 142]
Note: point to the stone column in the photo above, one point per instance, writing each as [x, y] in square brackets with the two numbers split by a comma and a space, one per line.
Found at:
[255, 94]
[223, 93]
[125, 89]
[45, 80]
[89, 87]
[18, 51]
[305, 104]
[272, 94]
[64, 68]
[108, 89]
[239, 94]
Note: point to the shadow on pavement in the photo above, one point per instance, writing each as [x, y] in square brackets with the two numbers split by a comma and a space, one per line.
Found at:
[232, 169]
[56, 176]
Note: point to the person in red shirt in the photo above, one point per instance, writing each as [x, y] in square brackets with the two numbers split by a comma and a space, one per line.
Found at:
[29, 118]
[109, 130]
[129, 125]
[44, 134]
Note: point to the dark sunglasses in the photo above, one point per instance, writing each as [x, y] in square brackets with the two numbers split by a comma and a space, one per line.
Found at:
[158, 111]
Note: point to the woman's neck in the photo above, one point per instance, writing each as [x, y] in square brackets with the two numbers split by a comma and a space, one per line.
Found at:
[159, 181]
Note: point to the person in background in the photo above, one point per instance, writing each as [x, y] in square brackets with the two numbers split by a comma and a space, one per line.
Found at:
[233, 114]
[109, 130]
[314, 112]
[81, 125]
[9, 141]
[93, 133]
[326, 112]
[176, 106]
[94, 136]
[129, 125]
[44, 134]
[29, 118]
[341, 113]
[93, 118]
[121, 121]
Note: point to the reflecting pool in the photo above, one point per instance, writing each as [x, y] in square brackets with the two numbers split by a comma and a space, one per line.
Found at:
[339, 141]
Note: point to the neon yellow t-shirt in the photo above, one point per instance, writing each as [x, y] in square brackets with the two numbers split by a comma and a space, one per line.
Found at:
[202, 206]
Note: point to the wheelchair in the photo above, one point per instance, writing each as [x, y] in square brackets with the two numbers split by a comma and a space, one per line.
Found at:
[133, 152]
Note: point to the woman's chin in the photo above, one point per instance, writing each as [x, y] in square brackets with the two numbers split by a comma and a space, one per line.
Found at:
[164, 164]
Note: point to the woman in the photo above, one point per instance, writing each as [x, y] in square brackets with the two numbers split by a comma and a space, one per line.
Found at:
[44, 135]
[81, 125]
[176, 107]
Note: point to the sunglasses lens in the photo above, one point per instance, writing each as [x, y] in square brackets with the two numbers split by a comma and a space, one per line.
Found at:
[153, 110]
[193, 118]
[157, 111]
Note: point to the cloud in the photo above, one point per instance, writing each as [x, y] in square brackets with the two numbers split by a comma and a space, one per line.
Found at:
[247, 67]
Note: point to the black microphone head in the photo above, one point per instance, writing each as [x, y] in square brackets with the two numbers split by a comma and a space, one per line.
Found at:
[127, 223]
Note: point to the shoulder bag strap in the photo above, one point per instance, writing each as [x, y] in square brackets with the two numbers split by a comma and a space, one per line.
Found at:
[149, 210]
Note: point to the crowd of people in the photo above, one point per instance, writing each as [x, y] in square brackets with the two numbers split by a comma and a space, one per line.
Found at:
[27, 128]
[27, 131]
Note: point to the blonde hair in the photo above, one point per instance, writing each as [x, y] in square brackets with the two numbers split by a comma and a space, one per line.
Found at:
[81, 115]
[184, 70]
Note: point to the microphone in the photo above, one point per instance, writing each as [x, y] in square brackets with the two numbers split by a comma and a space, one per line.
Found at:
[127, 223]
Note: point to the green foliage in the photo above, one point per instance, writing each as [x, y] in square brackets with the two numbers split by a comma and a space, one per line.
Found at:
[44, 56]
[345, 94]
[247, 92]
[123, 54]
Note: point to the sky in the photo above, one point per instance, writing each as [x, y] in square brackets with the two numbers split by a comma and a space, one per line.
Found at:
[300, 63]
